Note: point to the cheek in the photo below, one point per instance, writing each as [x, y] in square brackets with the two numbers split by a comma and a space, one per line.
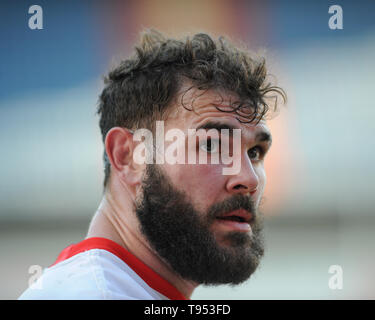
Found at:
[261, 173]
[262, 177]
[202, 183]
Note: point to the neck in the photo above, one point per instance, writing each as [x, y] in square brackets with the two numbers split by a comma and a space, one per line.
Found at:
[115, 220]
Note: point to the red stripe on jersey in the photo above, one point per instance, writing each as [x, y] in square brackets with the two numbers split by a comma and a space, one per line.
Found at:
[148, 275]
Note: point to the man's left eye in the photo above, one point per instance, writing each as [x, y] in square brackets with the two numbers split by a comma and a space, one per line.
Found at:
[255, 153]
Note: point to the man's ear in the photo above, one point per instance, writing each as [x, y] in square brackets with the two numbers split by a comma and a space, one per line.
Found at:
[120, 146]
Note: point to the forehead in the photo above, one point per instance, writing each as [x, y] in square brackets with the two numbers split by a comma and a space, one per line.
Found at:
[194, 107]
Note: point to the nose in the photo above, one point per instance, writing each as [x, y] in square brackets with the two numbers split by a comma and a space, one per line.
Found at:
[246, 181]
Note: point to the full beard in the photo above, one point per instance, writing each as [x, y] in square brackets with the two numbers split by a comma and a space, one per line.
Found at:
[181, 235]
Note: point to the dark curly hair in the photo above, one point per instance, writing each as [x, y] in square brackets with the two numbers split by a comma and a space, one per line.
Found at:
[141, 88]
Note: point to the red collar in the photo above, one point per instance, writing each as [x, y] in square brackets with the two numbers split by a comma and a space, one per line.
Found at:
[154, 280]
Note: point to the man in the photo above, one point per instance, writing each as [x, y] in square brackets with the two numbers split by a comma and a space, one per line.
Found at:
[164, 227]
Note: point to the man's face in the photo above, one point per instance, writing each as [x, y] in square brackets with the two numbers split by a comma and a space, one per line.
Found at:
[203, 223]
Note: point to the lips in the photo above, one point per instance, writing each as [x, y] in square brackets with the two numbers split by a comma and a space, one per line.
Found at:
[238, 220]
[240, 215]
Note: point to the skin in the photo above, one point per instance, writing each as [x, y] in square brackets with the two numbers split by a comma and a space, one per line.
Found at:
[205, 184]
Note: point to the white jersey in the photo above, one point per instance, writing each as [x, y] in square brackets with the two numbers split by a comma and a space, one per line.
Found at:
[98, 268]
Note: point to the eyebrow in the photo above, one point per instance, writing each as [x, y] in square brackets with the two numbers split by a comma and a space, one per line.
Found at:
[261, 136]
[216, 125]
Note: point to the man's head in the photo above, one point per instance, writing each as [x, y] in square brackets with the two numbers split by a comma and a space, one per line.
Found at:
[202, 223]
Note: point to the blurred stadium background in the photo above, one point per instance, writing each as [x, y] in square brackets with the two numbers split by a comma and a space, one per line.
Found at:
[319, 203]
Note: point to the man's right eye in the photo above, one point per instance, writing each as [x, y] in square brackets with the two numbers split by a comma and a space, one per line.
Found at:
[210, 146]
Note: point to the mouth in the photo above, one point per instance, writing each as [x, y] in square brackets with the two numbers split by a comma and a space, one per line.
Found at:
[239, 220]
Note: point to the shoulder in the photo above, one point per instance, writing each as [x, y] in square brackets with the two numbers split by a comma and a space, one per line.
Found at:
[95, 274]
[79, 277]
[98, 268]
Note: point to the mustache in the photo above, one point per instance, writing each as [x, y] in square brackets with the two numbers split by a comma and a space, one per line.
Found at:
[235, 202]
